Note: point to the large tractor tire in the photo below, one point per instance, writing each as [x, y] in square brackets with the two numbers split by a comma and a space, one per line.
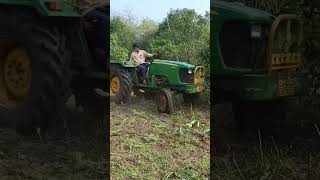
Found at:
[34, 79]
[120, 85]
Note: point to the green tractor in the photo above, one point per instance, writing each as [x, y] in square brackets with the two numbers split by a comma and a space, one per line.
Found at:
[165, 79]
[44, 58]
[256, 57]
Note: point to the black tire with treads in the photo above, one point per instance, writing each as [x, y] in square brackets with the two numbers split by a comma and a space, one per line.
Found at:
[124, 95]
[45, 46]
[168, 106]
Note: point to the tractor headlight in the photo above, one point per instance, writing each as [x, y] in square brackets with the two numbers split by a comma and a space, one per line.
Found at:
[256, 31]
[190, 71]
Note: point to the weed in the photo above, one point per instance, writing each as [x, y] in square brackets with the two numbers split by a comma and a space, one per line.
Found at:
[148, 145]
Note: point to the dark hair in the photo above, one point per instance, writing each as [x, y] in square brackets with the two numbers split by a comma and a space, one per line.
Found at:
[135, 45]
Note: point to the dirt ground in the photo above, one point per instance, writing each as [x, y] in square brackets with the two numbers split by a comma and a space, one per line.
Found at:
[274, 150]
[73, 150]
[149, 145]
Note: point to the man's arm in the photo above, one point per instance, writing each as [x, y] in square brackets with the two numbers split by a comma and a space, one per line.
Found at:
[146, 54]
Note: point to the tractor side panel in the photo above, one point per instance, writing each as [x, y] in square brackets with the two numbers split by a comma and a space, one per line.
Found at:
[41, 8]
[247, 88]
[170, 71]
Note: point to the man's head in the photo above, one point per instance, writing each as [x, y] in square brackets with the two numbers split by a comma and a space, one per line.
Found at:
[135, 48]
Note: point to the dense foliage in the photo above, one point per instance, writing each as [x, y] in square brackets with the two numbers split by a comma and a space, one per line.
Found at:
[183, 35]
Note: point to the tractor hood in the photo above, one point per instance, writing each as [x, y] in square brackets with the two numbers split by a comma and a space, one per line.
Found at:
[240, 11]
[174, 63]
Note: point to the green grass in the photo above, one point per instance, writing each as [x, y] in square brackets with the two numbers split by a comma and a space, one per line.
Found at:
[76, 153]
[28, 158]
[291, 151]
[148, 145]
[286, 165]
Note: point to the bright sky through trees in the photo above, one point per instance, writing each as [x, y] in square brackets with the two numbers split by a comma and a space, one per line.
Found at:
[156, 9]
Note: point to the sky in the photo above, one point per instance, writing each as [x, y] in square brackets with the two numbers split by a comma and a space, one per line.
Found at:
[155, 9]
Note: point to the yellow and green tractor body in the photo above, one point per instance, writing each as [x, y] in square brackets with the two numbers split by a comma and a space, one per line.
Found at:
[178, 76]
[255, 55]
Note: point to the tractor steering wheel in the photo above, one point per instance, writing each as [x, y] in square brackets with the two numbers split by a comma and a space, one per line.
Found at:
[155, 56]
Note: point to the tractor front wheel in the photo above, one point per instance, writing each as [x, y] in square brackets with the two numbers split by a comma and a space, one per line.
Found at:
[164, 101]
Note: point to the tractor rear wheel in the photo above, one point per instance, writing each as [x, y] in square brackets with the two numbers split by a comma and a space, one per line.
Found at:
[120, 85]
[164, 101]
[34, 79]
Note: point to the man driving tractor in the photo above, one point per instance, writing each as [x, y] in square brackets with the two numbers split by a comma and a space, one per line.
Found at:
[96, 29]
[138, 57]
[96, 26]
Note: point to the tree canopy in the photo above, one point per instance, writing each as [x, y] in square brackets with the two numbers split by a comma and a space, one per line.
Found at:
[183, 35]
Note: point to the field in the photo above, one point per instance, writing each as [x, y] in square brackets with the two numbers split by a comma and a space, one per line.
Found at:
[71, 151]
[276, 150]
[149, 145]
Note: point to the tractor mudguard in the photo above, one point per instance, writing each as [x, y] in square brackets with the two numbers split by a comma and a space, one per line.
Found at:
[124, 64]
[64, 9]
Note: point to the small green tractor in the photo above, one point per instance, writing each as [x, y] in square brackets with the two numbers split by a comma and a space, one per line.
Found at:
[256, 58]
[44, 58]
[165, 79]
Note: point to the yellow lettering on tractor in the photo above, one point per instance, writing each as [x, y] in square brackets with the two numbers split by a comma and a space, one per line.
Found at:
[281, 60]
[285, 52]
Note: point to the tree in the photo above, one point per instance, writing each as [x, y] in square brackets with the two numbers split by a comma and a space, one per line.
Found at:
[183, 35]
[122, 36]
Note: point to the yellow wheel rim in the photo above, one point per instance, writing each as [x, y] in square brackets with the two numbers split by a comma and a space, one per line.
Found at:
[114, 86]
[17, 73]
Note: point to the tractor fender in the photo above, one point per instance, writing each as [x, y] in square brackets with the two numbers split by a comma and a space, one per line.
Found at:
[41, 8]
[122, 64]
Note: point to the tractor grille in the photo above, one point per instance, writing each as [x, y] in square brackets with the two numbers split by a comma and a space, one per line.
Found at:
[184, 76]
[239, 49]
[286, 82]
